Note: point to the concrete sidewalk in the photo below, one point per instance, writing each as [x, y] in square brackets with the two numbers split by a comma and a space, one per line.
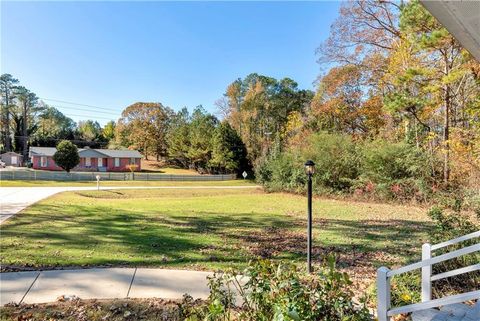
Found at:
[101, 283]
[15, 199]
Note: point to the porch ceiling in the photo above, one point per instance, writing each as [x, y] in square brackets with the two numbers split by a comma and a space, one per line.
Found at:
[462, 20]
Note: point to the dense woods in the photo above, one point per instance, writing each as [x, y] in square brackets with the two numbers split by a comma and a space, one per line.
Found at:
[395, 114]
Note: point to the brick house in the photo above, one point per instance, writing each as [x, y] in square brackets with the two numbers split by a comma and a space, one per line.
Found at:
[93, 160]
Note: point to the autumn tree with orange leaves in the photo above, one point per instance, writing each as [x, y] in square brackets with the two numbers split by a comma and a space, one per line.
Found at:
[420, 84]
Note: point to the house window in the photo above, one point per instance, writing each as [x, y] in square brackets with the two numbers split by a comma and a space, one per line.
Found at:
[14, 160]
[100, 162]
[88, 161]
[132, 161]
[43, 161]
[117, 162]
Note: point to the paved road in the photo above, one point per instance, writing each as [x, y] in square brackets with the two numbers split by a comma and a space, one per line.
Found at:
[15, 199]
[107, 283]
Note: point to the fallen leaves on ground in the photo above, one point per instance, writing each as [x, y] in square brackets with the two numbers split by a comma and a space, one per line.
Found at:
[94, 310]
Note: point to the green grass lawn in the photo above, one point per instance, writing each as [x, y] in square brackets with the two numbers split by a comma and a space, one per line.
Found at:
[20, 183]
[205, 229]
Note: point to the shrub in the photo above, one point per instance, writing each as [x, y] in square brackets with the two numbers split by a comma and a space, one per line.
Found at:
[66, 155]
[287, 173]
[263, 172]
[459, 199]
[397, 170]
[406, 288]
[377, 169]
[336, 159]
[284, 172]
[336, 162]
[280, 292]
[450, 225]
[132, 167]
[383, 161]
[447, 225]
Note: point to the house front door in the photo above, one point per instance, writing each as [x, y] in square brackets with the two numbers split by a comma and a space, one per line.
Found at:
[43, 161]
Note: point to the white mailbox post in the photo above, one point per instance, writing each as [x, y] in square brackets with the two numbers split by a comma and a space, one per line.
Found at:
[98, 182]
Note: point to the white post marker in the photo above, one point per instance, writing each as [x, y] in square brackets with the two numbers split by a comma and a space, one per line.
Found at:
[98, 182]
[244, 174]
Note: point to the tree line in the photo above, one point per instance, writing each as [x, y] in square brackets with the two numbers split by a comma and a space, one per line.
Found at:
[198, 140]
[27, 121]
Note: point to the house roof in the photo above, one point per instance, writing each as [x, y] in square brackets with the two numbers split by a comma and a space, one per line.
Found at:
[42, 151]
[120, 153]
[11, 153]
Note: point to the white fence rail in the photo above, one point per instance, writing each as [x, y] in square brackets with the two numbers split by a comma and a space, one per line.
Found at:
[384, 276]
[34, 175]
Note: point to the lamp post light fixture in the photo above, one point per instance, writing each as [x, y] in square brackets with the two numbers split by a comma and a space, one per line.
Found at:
[309, 170]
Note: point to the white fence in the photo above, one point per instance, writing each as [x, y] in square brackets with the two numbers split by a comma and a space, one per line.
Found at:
[384, 276]
[32, 175]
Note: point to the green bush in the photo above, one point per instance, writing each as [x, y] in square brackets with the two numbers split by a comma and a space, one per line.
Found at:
[284, 172]
[406, 289]
[263, 173]
[385, 162]
[279, 292]
[459, 199]
[287, 173]
[336, 160]
[450, 225]
[377, 169]
[394, 171]
[447, 225]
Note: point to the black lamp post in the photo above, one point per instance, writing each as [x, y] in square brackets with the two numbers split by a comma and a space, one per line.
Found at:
[310, 170]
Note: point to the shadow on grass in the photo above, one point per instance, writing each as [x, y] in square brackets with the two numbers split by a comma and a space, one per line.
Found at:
[100, 235]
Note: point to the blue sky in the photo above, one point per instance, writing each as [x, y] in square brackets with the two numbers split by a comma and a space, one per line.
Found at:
[111, 54]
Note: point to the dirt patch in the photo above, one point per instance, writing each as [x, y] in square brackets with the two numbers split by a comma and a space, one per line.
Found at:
[96, 310]
[271, 242]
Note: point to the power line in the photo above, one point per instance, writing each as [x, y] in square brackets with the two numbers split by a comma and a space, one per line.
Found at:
[73, 115]
[78, 104]
[114, 116]
[72, 140]
[84, 109]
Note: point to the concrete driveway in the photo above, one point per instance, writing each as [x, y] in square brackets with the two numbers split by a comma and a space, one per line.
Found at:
[15, 199]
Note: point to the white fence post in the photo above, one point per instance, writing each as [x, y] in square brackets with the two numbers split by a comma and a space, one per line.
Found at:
[426, 273]
[383, 294]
